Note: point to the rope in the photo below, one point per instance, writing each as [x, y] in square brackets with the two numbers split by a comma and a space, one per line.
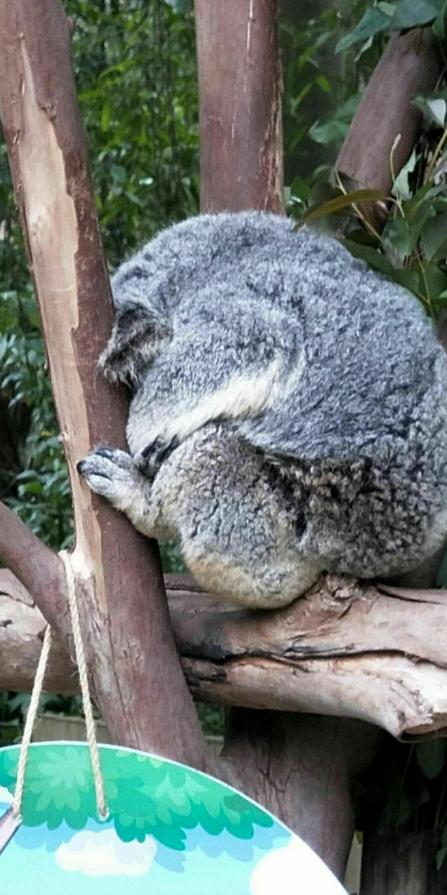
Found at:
[30, 721]
[86, 701]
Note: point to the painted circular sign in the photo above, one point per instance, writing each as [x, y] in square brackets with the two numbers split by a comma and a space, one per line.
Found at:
[171, 831]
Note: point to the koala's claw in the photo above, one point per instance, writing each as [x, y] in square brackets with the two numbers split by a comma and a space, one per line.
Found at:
[112, 474]
[154, 454]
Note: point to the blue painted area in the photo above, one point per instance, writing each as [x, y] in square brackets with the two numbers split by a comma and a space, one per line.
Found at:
[30, 866]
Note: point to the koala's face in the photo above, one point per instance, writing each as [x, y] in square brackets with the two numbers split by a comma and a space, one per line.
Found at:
[136, 339]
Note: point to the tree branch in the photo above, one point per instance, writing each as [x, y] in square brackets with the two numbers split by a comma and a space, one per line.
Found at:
[373, 653]
[410, 65]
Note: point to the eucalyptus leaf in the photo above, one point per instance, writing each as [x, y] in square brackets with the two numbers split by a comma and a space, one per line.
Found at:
[433, 108]
[411, 13]
[401, 185]
[374, 20]
[397, 240]
[434, 237]
[341, 202]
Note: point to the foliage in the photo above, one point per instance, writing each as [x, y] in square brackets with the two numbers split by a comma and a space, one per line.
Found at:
[383, 16]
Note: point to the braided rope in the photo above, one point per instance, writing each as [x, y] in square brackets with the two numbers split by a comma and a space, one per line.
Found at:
[30, 721]
[86, 701]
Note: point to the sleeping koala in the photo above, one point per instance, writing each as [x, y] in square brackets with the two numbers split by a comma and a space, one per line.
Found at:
[288, 411]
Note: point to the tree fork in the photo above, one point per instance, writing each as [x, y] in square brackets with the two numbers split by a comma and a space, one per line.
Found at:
[123, 608]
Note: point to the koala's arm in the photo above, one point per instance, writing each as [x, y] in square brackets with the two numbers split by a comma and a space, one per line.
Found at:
[237, 534]
[229, 363]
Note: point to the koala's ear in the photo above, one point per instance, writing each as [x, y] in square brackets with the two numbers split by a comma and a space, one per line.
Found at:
[137, 338]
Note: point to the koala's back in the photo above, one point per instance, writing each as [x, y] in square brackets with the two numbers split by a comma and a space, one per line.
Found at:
[371, 372]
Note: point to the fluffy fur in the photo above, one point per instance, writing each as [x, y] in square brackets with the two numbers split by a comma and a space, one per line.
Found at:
[288, 412]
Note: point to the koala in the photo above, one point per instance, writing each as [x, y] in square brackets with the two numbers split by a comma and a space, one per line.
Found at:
[288, 410]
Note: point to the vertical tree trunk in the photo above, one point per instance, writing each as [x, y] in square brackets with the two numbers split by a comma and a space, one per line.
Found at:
[300, 767]
[402, 864]
[240, 105]
[410, 65]
[124, 612]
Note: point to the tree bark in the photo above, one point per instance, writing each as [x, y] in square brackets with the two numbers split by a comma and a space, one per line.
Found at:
[398, 863]
[410, 65]
[345, 649]
[240, 105]
[124, 614]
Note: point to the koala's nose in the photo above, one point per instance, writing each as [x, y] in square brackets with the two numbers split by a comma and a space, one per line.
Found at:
[80, 467]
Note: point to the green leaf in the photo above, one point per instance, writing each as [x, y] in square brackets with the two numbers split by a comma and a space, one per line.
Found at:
[335, 129]
[433, 109]
[401, 185]
[181, 6]
[434, 237]
[411, 13]
[397, 240]
[439, 24]
[431, 757]
[341, 202]
[374, 20]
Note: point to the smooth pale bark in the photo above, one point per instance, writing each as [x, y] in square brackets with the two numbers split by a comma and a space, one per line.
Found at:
[123, 607]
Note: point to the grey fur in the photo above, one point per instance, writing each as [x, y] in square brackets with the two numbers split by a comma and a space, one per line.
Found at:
[289, 409]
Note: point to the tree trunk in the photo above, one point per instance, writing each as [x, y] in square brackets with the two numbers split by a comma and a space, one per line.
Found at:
[402, 864]
[240, 105]
[123, 608]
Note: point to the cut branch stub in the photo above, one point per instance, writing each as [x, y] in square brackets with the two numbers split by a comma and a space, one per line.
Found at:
[125, 618]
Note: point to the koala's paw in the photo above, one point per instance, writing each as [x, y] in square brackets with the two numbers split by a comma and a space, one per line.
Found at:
[153, 455]
[113, 475]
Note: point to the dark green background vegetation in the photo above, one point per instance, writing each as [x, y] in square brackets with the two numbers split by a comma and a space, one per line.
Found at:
[136, 76]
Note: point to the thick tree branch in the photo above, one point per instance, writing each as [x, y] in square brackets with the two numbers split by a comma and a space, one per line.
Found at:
[128, 635]
[344, 649]
[37, 567]
[410, 65]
